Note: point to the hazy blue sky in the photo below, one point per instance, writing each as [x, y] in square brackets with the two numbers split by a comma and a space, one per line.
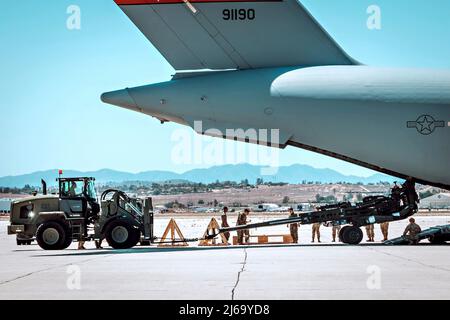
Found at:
[51, 79]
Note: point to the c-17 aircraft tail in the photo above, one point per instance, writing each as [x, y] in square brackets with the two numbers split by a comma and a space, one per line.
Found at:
[231, 34]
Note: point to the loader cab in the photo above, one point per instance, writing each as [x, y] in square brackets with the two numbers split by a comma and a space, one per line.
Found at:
[78, 197]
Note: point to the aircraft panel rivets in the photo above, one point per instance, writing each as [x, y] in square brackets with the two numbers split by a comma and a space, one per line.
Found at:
[268, 111]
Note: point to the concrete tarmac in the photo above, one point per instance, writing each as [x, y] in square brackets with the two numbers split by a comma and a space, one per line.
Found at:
[304, 271]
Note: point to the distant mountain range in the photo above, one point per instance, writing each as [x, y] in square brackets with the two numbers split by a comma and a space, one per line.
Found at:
[290, 174]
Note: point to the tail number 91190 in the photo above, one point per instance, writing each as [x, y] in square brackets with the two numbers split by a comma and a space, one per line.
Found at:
[239, 14]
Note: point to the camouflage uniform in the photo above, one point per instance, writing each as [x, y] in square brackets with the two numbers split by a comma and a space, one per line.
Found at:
[411, 232]
[225, 225]
[98, 243]
[293, 228]
[81, 245]
[370, 230]
[412, 197]
[81, 241]
[396, 194]
[241, 221]
[385, 230]
[316, 231]
[335, 231]
[247, 236]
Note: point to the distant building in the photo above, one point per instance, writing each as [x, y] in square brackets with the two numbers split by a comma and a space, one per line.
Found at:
[5, 206]
[5, 201]
[437, 201]
[304, 207]
[266, 207]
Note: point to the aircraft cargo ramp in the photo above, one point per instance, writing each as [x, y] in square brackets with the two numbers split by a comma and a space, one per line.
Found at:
[436, 235]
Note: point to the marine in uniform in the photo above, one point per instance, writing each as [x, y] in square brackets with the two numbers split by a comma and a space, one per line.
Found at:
[316, 231]
[385, 230]
[411, 231]
[409, 187]
[224, 223]
[242, 221]
[293, 227]
[370, 231]
[335, 232]
[396, 194]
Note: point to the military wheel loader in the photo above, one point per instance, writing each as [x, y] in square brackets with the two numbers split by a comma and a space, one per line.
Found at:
[55, 221]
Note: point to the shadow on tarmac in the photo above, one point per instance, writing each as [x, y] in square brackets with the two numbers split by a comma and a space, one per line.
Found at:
[154, 249]
[108, 251]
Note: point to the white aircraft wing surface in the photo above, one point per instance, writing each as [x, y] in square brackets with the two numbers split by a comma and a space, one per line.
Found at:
[231, 34]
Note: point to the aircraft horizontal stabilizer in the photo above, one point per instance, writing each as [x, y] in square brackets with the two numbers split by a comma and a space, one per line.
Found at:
[232, 34]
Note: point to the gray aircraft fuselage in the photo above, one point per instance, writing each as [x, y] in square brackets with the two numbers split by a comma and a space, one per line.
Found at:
[394, 121]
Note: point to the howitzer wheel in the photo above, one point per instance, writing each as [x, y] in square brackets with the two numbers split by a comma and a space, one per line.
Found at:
[341, 232]
[352, 235]
[438, 239]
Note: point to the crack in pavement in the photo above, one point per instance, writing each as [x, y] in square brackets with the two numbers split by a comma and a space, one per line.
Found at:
[410, 260]
[46, 269]
[239, 274]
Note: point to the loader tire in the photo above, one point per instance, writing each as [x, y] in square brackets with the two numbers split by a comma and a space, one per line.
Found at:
[52, 235]
[68, 241]
[122, 235]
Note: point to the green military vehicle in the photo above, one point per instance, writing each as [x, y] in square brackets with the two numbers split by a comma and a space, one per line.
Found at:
[55, 221]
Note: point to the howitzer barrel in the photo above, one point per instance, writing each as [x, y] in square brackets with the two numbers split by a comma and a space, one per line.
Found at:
[357, 216]
[261, 224]
[299, 219]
